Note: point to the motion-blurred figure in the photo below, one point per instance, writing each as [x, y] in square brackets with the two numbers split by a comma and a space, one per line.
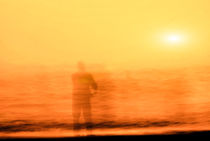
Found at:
[84, 87]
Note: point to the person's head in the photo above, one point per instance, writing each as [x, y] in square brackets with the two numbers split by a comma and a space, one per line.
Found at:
[81, 66]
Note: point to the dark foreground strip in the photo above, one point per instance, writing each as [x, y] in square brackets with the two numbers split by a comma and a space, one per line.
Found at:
[200, 135]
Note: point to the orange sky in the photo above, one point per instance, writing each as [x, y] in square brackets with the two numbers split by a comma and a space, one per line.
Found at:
[110, 32]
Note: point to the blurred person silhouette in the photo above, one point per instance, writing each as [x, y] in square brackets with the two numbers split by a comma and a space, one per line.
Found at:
[84, 86]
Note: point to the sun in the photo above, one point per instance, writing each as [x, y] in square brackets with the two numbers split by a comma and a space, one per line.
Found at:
[174, 39]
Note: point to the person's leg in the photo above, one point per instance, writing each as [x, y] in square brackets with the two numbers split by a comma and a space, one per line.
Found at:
[76, 110]
[87, 114]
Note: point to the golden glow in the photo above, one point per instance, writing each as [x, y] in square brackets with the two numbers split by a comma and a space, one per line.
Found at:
[42, 40]
[113, 33]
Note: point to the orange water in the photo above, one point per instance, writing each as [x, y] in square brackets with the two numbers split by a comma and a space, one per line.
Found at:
[38, 103]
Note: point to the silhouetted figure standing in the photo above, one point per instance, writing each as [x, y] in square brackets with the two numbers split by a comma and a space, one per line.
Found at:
[83, 88]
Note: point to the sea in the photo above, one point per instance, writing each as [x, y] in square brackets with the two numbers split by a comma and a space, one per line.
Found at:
[37, 102]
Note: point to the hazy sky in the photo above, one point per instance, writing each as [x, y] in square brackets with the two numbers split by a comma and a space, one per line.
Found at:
[112, 32]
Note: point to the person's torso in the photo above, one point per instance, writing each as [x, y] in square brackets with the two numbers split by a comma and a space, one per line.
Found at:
[82, 82]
